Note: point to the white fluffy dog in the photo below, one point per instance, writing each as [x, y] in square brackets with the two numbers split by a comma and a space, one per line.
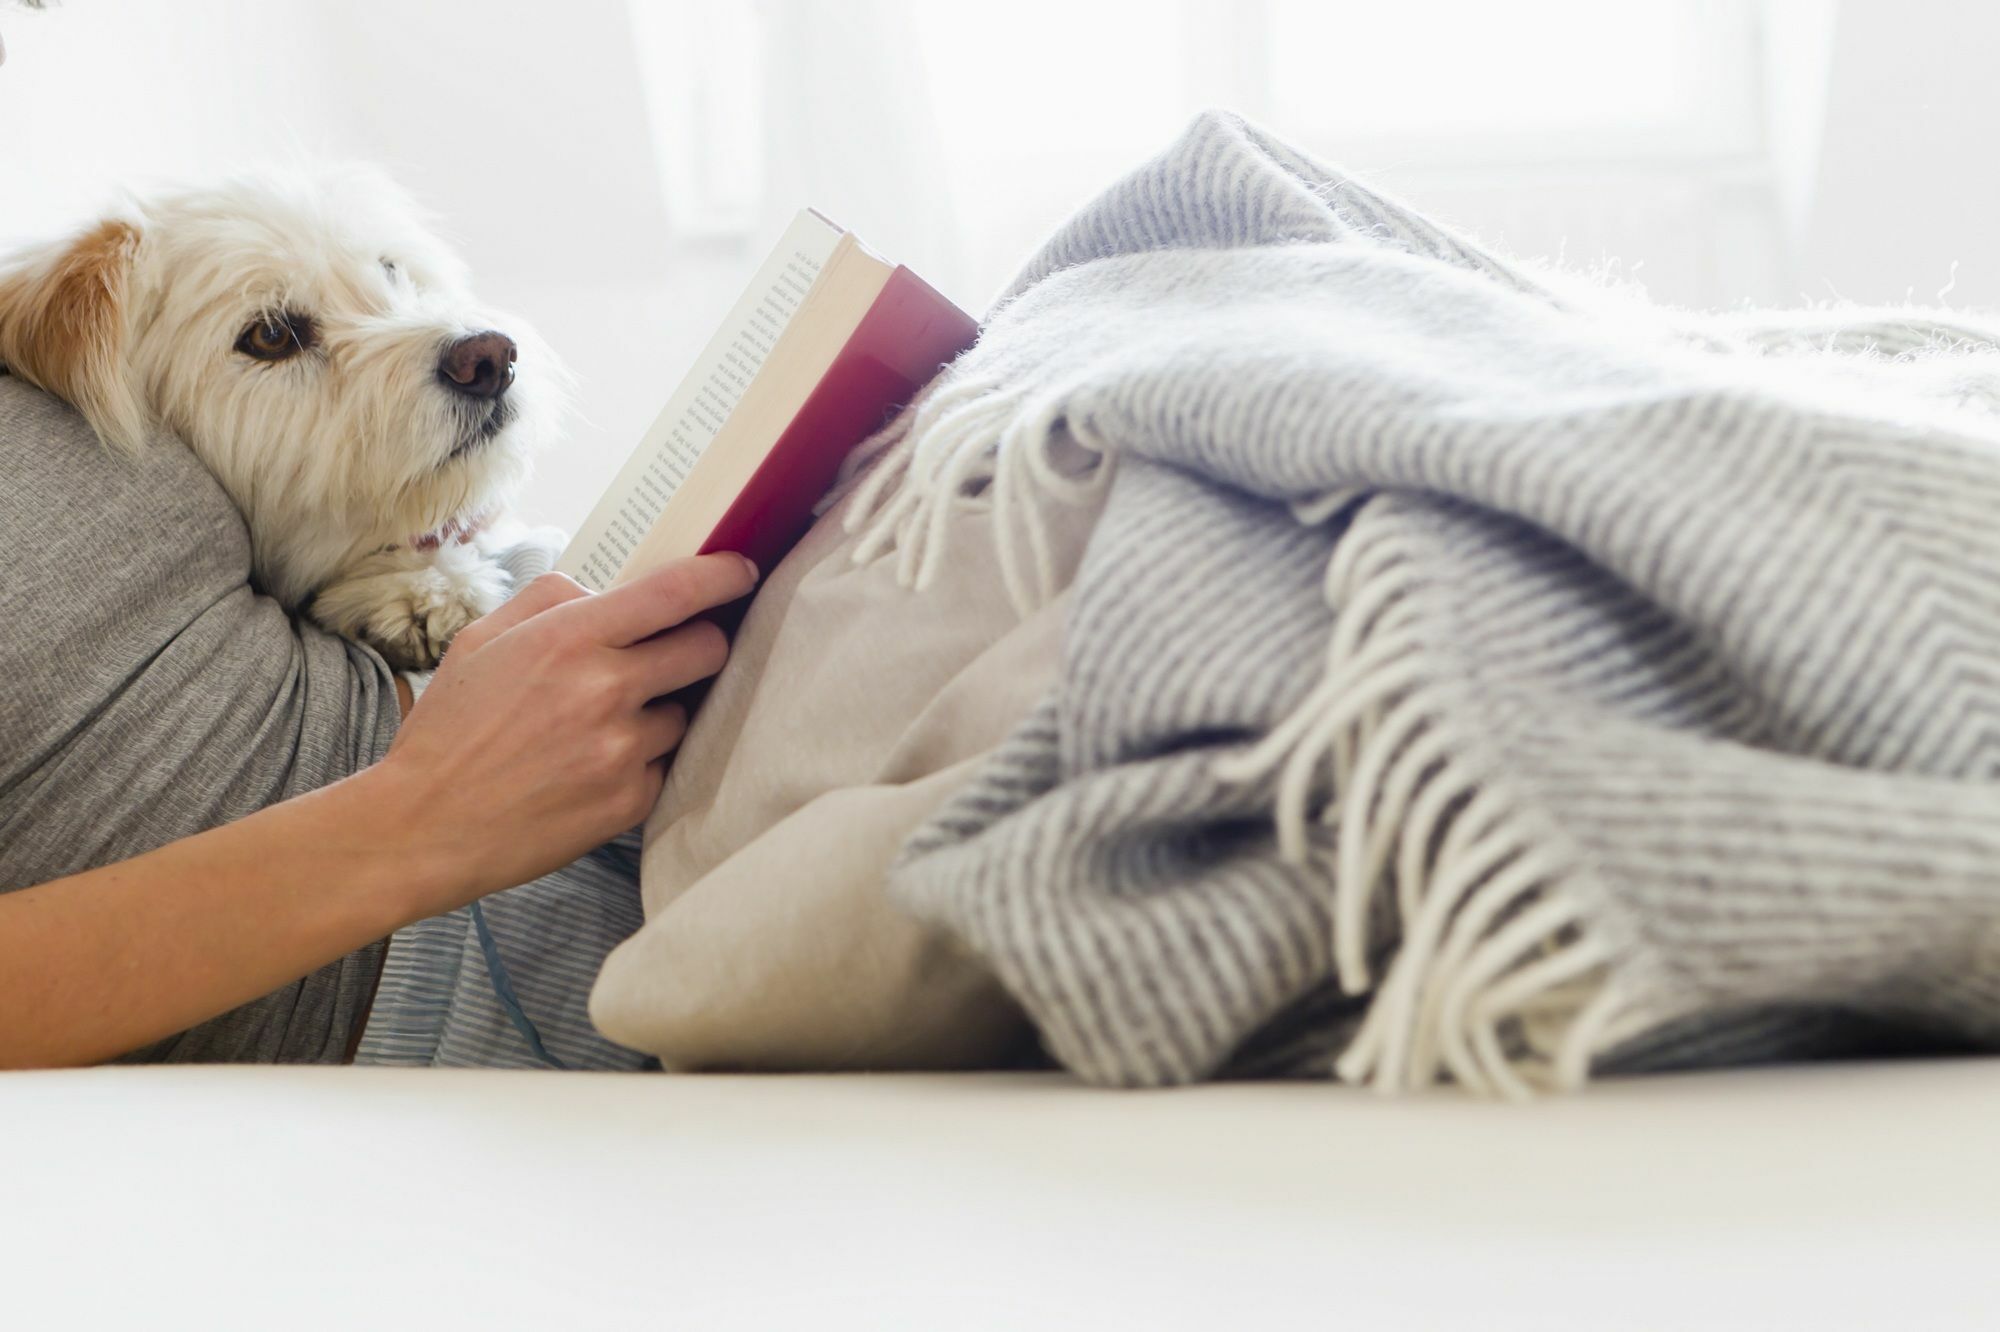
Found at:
[319, 350]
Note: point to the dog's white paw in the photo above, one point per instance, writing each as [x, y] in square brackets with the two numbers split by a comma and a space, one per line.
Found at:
[411, 613]
[414, 627]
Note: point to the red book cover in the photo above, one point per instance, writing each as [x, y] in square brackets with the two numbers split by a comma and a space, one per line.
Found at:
[908, 334]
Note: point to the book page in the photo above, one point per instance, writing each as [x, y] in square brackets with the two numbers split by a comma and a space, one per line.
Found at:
[701, 404]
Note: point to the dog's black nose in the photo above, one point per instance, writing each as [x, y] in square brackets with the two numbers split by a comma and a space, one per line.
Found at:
[481, 366]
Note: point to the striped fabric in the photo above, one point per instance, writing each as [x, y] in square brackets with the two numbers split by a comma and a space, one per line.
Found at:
[437, 1005]
[1471, 678]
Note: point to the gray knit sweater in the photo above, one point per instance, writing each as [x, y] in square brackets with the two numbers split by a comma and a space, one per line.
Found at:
[147, 692]
[1465, 680]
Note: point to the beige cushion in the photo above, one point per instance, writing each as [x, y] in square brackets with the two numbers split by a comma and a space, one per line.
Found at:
[850, 709]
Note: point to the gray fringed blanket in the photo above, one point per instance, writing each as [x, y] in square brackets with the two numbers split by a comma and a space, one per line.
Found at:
[1467, 680]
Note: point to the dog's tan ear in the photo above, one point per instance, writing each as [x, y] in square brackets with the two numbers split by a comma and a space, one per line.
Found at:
[62, 327]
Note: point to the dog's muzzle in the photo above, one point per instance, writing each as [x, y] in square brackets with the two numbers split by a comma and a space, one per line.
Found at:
[480, 366]
[477, 371]
[496, 417]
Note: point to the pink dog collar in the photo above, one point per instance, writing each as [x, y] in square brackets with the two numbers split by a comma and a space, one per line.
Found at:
[456, 531]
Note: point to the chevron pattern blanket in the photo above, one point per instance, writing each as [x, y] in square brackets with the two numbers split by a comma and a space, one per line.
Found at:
[1470, 678]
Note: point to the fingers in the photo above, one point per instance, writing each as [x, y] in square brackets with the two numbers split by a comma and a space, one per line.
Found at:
[662, 725]
[662, 599]
[674, 660]
[544, 593]
[636, 806]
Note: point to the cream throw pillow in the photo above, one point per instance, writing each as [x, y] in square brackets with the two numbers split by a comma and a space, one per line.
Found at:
[850, 708]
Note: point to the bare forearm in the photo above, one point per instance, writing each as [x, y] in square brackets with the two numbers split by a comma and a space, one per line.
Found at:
[543, 734]
[106, 961]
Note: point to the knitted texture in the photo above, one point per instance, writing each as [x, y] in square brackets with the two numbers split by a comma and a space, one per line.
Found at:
[1470, 678]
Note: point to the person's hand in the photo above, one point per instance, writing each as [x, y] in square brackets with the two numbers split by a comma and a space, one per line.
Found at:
[544, 732]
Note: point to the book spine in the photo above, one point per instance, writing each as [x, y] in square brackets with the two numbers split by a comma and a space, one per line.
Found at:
[909, 333]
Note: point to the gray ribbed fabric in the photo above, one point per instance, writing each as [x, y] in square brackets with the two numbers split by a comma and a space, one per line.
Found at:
[1549, 675]
[148, 693]
[436, 1005]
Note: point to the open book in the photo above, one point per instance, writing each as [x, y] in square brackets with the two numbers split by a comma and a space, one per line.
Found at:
[826, 344]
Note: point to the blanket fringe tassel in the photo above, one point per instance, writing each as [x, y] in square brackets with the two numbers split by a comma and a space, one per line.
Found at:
[971, 444]
[1499, 980]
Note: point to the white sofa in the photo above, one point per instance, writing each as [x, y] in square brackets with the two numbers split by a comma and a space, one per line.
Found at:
[1859, 1196]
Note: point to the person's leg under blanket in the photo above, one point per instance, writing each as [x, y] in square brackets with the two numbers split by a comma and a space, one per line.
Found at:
[438, 1006]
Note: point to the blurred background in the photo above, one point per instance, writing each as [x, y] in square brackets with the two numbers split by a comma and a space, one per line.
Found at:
[614, 168]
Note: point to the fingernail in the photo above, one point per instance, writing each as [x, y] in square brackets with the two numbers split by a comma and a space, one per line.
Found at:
[750, 565]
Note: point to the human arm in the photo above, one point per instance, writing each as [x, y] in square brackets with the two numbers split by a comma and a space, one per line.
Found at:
[542, 735]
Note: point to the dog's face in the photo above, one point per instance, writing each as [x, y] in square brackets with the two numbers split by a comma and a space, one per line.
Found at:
[313, 343]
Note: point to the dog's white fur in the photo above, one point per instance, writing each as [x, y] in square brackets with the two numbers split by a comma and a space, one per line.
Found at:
[343, 457]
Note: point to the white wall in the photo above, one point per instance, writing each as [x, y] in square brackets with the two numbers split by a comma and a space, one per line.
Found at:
[1908, 183]
[530, 139]
[96, 95]
[953, 134]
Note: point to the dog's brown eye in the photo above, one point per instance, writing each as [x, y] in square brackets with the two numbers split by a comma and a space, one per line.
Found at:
[276, 337]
